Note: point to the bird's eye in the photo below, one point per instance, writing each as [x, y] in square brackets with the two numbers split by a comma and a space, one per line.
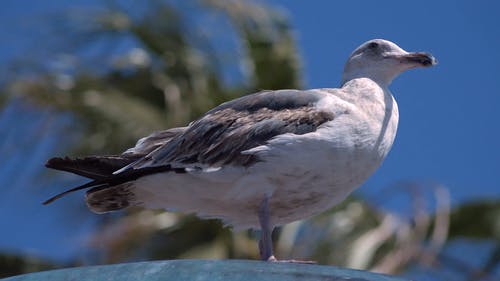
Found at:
[373, 45]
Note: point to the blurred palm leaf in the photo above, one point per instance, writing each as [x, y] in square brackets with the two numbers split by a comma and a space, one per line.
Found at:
[169, 73]
[166, 78]
[13, 265]
[476, 220]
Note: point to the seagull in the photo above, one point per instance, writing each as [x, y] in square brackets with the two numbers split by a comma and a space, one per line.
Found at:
[262, 160]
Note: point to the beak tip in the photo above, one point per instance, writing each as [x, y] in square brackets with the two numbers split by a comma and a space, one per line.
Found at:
[424, 59]
[433, 60]
[427, 60]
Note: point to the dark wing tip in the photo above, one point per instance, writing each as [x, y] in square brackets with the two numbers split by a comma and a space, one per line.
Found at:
[56, 162]
[52, 199]
[80, 187]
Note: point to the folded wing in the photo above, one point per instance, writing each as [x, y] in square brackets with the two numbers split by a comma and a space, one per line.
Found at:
[217, 139]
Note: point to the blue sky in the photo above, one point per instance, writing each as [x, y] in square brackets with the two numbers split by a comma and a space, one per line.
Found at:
[448, 132]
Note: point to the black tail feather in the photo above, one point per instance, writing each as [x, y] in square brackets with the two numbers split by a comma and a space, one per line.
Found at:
[93, 167]
[116, 179]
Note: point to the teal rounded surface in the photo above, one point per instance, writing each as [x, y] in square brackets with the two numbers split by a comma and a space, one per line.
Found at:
[205, 270]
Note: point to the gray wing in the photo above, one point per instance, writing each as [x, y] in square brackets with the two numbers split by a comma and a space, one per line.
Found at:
[219, 137]
[150, 143]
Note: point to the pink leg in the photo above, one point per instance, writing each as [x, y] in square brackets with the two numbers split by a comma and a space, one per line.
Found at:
[266, 241]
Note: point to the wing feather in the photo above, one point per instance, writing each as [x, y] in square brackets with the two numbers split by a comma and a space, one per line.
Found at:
[221, 135]
[217, 139]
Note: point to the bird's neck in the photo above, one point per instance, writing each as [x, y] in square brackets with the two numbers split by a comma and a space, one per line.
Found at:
[384, 86]
[377, 102]
[382, 78]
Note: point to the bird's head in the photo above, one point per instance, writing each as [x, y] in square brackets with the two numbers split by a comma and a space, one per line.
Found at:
[381, 61]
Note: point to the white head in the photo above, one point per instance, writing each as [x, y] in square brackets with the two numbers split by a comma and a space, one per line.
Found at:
[381, 61]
